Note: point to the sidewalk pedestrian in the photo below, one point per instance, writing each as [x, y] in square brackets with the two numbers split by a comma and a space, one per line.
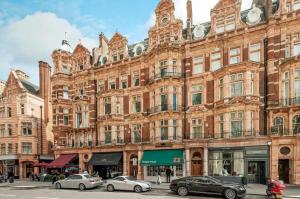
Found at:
[168, 174]
[158, 181]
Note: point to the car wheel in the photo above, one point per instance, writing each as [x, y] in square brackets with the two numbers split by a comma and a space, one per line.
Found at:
[82, 187]
[138, 189]
[110, 188]
[182, 191]
[58, 185]
[229, 194]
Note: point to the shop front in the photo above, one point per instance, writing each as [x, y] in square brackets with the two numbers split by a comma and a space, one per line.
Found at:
[9, 165]
[65, 163]
[107, 165]
[245, 164]
[157, 162]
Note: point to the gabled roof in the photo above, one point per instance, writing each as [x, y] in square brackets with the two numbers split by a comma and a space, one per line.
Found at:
[30, 87]
[116, 38]
[80, 48]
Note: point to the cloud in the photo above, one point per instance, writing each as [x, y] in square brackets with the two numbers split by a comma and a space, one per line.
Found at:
[201, 10]
[33, 38]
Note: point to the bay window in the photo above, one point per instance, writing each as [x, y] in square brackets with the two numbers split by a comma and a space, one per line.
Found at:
[236, 121]
[164, 130]
[255, 52]
[215, 61]
[198, 65]
[26, 147]
[197, 129]
[107, 134]
[234, 55]
[26, 128]
[236, 84]
[164, 98]
[107, 105]
[137, 134]
[163, 68]
[197, 92]
[136, 103]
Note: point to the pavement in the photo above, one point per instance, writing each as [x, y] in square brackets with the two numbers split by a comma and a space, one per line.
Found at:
[253, 190]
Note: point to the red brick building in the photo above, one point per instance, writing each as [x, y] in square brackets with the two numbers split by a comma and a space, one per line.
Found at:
[219, 98]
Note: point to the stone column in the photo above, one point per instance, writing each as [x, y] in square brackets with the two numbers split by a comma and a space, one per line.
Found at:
[125, 172]
[139, 175]
[205, 161]
[81, 163]
[188, 162]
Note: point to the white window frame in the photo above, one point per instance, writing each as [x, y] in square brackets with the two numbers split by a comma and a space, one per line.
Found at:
[198, 65]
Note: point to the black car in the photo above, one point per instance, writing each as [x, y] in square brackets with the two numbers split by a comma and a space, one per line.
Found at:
[207, 185]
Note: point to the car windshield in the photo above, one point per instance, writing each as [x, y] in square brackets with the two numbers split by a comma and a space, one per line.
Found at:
[87, 176]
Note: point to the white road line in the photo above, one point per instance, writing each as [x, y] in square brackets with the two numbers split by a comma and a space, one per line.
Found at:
[44, 198]
[7, 195]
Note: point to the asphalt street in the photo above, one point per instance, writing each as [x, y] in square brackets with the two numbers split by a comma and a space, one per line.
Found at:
[51, 193]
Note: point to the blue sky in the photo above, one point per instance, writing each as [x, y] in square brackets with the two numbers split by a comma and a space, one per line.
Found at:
[31, 29]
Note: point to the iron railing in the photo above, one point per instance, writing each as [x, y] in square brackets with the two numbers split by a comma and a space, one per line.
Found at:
[165, 107]
[286, 102]
[163, 75]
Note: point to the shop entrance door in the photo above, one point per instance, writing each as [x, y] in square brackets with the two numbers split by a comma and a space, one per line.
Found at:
[196, 167]
[257, 172]
[283, 170]
[133, 170]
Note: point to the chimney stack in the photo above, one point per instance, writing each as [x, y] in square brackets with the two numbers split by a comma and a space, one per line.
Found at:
[189, 20]
[44, 73]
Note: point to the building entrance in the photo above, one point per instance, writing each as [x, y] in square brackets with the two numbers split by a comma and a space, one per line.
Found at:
[283, 170]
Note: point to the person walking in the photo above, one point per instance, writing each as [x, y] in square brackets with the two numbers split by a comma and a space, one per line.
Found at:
[168, 174]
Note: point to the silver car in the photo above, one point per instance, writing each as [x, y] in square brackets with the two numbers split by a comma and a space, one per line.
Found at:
[78, 181]
[127, 183]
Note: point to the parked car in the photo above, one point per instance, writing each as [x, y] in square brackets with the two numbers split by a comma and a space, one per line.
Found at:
[127, 183]
[207, 185]
[79, 181]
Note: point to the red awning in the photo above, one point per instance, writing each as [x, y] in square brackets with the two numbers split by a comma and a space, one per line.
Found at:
[40, 164]
[62, 161]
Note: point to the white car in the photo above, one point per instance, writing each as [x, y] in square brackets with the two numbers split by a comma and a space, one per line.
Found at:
[78, 181]
[127, 183]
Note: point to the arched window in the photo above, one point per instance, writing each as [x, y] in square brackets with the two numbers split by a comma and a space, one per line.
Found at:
[296, 125]
[278, 126]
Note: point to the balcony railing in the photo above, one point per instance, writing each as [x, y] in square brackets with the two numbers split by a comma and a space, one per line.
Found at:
[279, 131]
[165, 107]
[286, 102]
[163, 75]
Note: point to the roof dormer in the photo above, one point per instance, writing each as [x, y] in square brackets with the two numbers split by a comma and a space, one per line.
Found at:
[225, 16]
[118, 48]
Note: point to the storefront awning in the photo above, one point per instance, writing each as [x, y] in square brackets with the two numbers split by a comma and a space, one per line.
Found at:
[162, 158]
[40, 164]
[105, 159]
[62, 161]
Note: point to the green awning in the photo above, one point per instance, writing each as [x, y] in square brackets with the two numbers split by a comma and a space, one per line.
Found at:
[162, 158]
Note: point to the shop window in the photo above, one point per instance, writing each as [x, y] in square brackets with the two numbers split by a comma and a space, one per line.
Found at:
[215, 61]
[137, 134]
[107, 133]
[26, 128]
[124, 81]
[164, 130]
[161, 170]
[229, 163]
[101, 85]
[236, 84]
[197, 92]
[27, 148]
[198, 65]
[197, 129]
[107, 105]
[66, 116]
[234, 55]
[136, 103]
[296, 125]
[66, 92]
[255, 52]
[236, 124]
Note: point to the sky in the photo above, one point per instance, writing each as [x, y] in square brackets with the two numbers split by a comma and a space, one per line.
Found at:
[31, 29]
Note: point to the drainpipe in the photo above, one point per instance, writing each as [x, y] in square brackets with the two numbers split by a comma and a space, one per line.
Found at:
[266, 41]
[41, 152]
[96, 110]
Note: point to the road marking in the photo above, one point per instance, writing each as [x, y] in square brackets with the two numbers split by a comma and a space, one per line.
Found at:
[7, 195]
[44, 198]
